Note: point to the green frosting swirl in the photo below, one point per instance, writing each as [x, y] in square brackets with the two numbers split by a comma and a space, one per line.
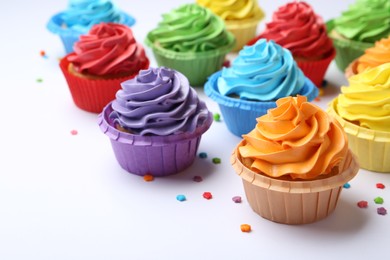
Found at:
[190, 28]
[365, 21]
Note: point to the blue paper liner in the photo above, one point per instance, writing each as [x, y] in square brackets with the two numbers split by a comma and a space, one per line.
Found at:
[69, 36]
[240, 115]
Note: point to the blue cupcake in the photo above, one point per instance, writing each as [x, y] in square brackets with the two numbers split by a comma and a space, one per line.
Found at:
[81, 15]
[261, 74]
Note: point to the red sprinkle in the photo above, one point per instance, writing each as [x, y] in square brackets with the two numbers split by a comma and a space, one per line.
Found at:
[380, 185]
[362, 204]
[42, 53]
[207, 195]
[197, 178]
[73, 132]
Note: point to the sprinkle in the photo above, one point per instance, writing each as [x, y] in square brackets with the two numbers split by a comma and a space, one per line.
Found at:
[380, 185]
[378, 200]
[148, 177]
[237, 199]
[246, 228]
[216, 160]
[226, 64]
[324, 83]
[181, 197]
[202, 155]
[42, 53]
[217, 117]
[321, 92]
[74, 132]
[39, 80]
[207, 195]
[197, 178]
[381, 211]
[347, 185]
[317, 99]
[362, 204]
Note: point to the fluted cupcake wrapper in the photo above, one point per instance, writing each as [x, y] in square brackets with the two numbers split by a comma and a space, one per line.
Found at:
[372, 148]
[243, 31]
[92, 94]
[294, 202]
[69, 36]
[240, 115]
[156, 155]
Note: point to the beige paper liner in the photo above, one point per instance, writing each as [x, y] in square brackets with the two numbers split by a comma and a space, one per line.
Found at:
[243, 31]
[293, 202]
[351, 69]
[372, 148]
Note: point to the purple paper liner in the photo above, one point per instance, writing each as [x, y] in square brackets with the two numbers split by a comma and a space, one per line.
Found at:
[69, 36]
[155, 155]
[240, 115]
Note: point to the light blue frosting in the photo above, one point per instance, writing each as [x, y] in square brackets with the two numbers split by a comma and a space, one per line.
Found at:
[264, 71]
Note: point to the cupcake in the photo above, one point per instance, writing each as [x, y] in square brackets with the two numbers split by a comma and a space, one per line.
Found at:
[294, 163]
[358, 28]
[372, 57]
[103, 58]
[240, 16]
[192, 40]
[363, 109]
[259, 75]
[80, 16]
[297, 28]
[155, 123]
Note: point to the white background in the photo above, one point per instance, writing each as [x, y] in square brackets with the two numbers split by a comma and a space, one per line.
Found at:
[64, 196]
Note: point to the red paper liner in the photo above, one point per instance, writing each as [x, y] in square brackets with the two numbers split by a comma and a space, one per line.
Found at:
[92, 95]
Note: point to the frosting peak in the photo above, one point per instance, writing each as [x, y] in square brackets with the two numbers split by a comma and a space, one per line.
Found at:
[374, 56]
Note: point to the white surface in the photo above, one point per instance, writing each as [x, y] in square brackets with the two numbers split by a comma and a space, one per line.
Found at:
[66, 197]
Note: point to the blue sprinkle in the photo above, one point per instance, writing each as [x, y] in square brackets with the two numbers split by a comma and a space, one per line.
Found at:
[181, 197]
[203, 155]
[347, 185]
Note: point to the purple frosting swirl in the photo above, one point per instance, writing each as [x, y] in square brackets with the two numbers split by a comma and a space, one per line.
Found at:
[158, 101]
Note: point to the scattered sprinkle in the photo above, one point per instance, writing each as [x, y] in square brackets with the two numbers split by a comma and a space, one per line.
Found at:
[217, 117]
[216, 160]
[148, 177]
[226, 63]
[381, 211]
[39, 80]
[202, 155]
[74, 132]
[181, 197]
[362, 204]
[347, 185]
[42, 53]
[378, 200]
[324, 83]
[246, 228]
[380, 185]
[207, 195]
[320, 92]
[197, 178]
[237, 199]
[317, 99]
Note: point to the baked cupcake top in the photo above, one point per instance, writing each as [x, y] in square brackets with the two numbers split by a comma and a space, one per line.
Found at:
[108, 49]
[374, 56]
[296, 140]
[234, 10]
[365, 21]
[81, 15]
[366, 102]
[263, 72]
[159, 101]
[296, 27]
[190, 28]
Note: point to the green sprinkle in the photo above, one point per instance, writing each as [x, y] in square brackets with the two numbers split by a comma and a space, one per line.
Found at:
[378, 200]
[217, 117]
[39, 80]
[216, 160]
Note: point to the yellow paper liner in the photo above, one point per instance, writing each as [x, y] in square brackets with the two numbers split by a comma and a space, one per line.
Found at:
[294, 202]
[243, 31]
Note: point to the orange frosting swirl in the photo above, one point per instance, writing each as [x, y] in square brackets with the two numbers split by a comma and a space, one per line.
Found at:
[296, 139]
[108, 49]
[374, 56]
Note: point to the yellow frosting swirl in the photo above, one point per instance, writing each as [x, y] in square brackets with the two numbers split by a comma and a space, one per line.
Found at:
[296, 139]
[374, 56]
[366, 102]
[230, 10]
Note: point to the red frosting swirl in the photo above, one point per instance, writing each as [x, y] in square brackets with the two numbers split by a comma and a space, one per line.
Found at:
[297, 28]
[108, 49]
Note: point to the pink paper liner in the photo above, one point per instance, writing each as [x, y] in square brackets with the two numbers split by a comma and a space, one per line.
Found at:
[293, 202]
[92, 94]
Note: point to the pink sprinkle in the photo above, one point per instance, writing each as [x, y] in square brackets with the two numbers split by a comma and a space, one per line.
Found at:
[380, 185]
[207, 195]
[362, 204]
[73, 132]
[236, 199]
[381, 211]
[197, 178]
[226, 64]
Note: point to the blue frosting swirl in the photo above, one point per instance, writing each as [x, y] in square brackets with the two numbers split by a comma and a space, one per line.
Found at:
[264, 71]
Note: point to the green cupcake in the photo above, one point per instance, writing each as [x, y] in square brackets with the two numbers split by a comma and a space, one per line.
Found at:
[192, 40]
[358, 28]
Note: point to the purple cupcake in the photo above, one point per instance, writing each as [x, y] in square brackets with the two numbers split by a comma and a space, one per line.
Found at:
[155, 123]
